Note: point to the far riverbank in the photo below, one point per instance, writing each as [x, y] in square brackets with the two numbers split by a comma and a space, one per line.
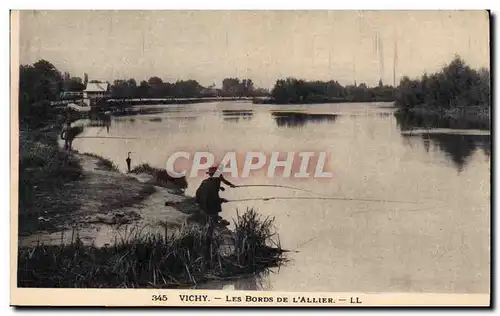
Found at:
[318, 101]
[471, 117]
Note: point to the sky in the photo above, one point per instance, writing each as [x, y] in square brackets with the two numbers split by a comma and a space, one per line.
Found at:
[264, 46]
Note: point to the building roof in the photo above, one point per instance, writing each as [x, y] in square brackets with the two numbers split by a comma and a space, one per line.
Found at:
[97, 87]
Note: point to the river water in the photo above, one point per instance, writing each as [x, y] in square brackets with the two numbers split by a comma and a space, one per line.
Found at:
[438, 243]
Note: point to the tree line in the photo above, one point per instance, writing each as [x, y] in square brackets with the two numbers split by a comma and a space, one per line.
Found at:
[455, 85]
[293, 90]
[156, 88]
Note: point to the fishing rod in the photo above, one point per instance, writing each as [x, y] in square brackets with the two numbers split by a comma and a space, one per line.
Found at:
[115, 137]
[318, 198]
[276, 186]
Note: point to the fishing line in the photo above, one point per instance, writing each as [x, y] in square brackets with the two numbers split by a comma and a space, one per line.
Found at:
[318, 198]
[115, 137]
[304, 243]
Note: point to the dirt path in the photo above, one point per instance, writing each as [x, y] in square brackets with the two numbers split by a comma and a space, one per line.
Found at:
[111, 204]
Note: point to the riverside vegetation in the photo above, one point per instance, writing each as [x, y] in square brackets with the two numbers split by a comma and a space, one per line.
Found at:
[457, 96]
[53, 189]
[136, 260]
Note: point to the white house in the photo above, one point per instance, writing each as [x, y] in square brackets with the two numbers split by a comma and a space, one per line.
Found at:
[94, 92]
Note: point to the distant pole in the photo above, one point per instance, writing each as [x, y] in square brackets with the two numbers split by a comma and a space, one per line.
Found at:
[381, 54]
[329, 66]
[128, 160]
[395, 62]
[354, 70]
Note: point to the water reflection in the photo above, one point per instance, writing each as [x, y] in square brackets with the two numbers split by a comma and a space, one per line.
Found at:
[409, 120]
[457, 146]
[236, 115]
[297, 119]
[137, 111]
[103, 121]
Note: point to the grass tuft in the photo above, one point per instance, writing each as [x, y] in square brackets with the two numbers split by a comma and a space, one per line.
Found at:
[172, 259]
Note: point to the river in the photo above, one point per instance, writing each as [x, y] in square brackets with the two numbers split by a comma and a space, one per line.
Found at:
[440, 243]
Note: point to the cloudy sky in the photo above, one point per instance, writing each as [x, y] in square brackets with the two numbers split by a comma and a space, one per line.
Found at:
[263, 45]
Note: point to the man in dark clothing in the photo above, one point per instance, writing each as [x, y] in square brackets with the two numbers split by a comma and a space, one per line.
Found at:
[207, 195]
[68, 133]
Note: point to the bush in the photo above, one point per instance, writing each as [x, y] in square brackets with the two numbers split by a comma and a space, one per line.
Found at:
[144, 168]
[456, 85]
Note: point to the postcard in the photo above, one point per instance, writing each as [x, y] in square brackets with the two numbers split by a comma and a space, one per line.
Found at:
[250, 158]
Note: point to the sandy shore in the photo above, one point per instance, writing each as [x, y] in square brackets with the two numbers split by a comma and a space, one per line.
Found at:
[113, 204]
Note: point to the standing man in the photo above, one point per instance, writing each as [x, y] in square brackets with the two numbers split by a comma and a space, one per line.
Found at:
[66, 135]
[107, 120]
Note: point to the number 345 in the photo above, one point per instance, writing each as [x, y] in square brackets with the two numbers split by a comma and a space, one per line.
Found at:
[162, 298]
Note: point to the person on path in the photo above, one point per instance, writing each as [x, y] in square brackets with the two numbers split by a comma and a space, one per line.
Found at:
[66, 134]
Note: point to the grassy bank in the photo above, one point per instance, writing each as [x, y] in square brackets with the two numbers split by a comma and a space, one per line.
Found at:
[103, 163]
[114, 190]
[58, 188]
[155, 261]
[44, 171]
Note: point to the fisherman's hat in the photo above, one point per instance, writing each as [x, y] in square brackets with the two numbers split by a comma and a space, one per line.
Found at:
[211, 170]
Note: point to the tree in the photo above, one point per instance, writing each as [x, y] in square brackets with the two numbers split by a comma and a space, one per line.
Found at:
[125, 89]
[50, 80]
[155, 81]
[73, 84]
[483, 86]
[39, 84]
[186, 88]
[231, 87]
[456, 85]
[143, 89]
[131, 88]
[247, 87]
[157, 90]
